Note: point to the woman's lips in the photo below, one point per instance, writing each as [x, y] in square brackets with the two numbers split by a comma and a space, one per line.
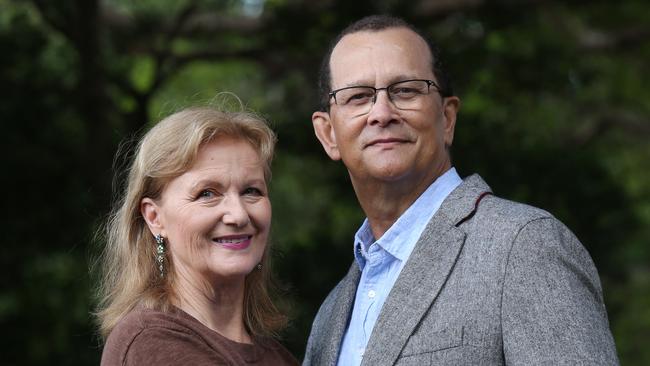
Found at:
[234, 242]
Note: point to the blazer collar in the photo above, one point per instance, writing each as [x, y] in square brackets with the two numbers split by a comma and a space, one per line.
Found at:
[424, 274]
[461, 202]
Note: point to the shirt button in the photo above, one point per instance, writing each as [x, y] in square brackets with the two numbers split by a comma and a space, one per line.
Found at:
[371, 294]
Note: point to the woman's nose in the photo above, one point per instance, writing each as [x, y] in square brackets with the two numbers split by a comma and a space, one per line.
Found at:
[235, 212]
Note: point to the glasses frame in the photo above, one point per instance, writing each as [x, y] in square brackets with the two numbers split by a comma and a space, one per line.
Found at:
[430, 83]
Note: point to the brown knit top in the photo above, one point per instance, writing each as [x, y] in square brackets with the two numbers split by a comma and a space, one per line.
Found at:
[150, 337]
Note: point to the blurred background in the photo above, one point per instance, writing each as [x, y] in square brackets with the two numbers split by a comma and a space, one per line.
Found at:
[556, 113]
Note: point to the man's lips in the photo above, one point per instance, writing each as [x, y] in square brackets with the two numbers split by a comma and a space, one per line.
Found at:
[386, 141]
[234, 242]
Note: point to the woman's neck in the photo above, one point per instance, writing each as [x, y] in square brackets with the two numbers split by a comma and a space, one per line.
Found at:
[217, 306]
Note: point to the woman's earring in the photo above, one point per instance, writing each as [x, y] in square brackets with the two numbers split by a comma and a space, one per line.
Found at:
[160, 254]
[259, 266]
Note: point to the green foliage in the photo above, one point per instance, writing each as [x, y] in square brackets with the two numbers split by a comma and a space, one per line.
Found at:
[555, 113]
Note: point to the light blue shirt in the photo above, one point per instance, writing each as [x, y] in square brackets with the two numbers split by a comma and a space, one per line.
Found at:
[382, 261]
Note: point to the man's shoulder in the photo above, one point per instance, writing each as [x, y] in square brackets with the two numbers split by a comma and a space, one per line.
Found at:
[475, 193]
[497, 207]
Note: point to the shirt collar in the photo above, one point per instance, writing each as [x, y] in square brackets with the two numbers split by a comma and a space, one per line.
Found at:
[400, 239]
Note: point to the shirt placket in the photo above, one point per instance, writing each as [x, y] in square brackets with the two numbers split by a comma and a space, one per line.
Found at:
[374, 270]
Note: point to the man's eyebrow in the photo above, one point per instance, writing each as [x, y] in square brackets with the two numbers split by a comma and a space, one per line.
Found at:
[393, 79]
[402, 77]
[355, 83]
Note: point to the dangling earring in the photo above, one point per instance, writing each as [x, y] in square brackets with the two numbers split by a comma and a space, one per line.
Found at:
[160, 254]
[259, 266]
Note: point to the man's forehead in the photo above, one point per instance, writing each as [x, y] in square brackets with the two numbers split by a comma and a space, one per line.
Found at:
[396, 35]
[375, 51]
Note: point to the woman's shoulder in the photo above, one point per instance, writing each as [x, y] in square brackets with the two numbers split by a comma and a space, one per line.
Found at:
[147, 336]
[141, 320]
[165, 338]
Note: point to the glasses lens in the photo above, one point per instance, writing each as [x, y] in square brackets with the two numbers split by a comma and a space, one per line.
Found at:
[355, 100]
[358, 100]
[406, 94]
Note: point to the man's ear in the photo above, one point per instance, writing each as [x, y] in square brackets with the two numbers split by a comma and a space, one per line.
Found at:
[325, 134]
[152, 216]
[450, 108]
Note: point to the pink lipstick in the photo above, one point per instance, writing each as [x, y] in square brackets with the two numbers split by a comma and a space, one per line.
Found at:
[234, 242]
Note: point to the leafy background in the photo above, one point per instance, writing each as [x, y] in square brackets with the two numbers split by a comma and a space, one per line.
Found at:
[556, 113]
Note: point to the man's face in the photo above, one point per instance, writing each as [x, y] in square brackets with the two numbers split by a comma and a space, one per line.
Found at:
[387, 144]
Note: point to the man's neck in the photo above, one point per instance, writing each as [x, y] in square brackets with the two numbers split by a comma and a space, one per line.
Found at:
[384, 202]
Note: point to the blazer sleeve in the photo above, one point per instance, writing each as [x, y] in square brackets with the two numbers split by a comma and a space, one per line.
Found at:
[552, 304]
[312, 351]
[331, 321]
[321, 347]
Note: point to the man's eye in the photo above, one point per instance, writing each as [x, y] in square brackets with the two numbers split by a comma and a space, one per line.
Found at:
[360, 96]
[404, 91]
[357, 98]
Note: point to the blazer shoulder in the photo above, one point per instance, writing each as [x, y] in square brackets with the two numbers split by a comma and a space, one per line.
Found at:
[473, 199]
[499, 221]
[501, 210]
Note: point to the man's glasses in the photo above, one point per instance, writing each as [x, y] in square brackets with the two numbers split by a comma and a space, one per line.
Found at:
[406, 94]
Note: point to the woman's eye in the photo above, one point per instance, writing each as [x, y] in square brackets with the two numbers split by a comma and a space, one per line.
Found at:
[252, 191]
[206, 194]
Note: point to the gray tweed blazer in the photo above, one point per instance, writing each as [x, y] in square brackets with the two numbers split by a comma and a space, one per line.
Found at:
[498, 283]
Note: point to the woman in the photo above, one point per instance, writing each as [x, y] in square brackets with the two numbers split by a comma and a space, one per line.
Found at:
[186, 263]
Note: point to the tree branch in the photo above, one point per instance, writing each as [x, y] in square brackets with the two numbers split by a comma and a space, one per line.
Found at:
[589, 38]
[163, 66]
[188, 23]
[622, 120]
[596, 40]
[57, 24]
[432, 8]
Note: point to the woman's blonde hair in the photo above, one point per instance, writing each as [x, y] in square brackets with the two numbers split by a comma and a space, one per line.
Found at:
[129, 272]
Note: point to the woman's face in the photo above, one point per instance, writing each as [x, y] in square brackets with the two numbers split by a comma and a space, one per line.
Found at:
[216, 216]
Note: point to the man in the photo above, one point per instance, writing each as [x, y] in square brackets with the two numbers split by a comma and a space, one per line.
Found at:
[445, 273]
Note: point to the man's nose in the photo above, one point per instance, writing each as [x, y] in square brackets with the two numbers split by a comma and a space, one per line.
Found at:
[383, 110]
[235, 212]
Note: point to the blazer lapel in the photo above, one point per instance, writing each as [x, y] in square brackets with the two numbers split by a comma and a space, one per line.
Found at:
[415, 289]
[423, 276]
[337, 317]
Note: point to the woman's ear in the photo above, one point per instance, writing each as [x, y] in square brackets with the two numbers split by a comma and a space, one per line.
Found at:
[152, 216]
